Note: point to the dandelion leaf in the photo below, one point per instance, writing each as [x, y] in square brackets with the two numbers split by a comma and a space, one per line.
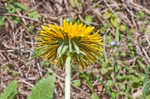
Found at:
[43, 89]
[10, 91]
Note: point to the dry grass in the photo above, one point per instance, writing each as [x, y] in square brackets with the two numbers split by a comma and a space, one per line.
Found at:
[17, 44]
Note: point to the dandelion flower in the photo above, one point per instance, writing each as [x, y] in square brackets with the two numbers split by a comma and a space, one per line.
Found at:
[56, 41]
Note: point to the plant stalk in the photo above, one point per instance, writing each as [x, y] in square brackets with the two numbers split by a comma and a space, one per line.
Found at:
[68, 77]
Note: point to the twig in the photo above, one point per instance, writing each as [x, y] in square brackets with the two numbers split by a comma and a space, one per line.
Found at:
[23, 81]
[138, 7]
[148, 58]
[82, 90]
[93, 6]
[105, 1]
[21, 18]
[147, 38]
[39, 68]
[59, 77]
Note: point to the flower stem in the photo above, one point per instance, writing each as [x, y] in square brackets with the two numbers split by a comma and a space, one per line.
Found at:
[68, 77]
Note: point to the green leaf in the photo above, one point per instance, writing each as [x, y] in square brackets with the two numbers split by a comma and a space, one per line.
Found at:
[123, 54]
[18, 9]
[121, 86]
[10, 91]
[118, 1]
[113, 95]
[16, 20]
[107, 14]
[22, 6]
[117, 34]
[88, 19]
[104, 71]
[78, 21]
[45, 63]
[11, 9]
[122, 28]
[88, 78]
[146, 88]
[43, 89]
[94, 96]
[34, 14]
[2, 20]
[147, 97]
[115, 21]
[104, 28]
[127, 30]
[30, 28]
[74, 3]
[146, 77]
[76, 83]
[37, 53]
[140, 14]
[109, 83]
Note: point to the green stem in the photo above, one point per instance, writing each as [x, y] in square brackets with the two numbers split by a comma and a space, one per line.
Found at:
[68, 77]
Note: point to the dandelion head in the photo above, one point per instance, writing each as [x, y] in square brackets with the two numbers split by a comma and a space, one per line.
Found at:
[55, 42]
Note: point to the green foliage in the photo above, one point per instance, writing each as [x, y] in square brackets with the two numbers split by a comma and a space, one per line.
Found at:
[75, 3]
[14, 73]
[141, 18]
[13, 7]
[109, 83]
[34, 14]
[117, 34]
[10, 91]
[78, 21]
[43, 89]
[146, 89]
[122, 28]
[76, 83]
[94, 96]
[45, 63]
[88, 78]
[2, 20]
[31, 28]
[113, 95]
[16, 20]
[36, 53]
[115, 20]
[21, 6]
[118, 1]
[104, 28]
[106, 67]
[140, 15]
[108, 91]
[147, 97]
[107, 14]
[132, 76]
[88, 19]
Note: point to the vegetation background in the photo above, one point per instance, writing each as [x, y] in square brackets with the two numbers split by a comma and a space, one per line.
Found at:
[122, 73]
